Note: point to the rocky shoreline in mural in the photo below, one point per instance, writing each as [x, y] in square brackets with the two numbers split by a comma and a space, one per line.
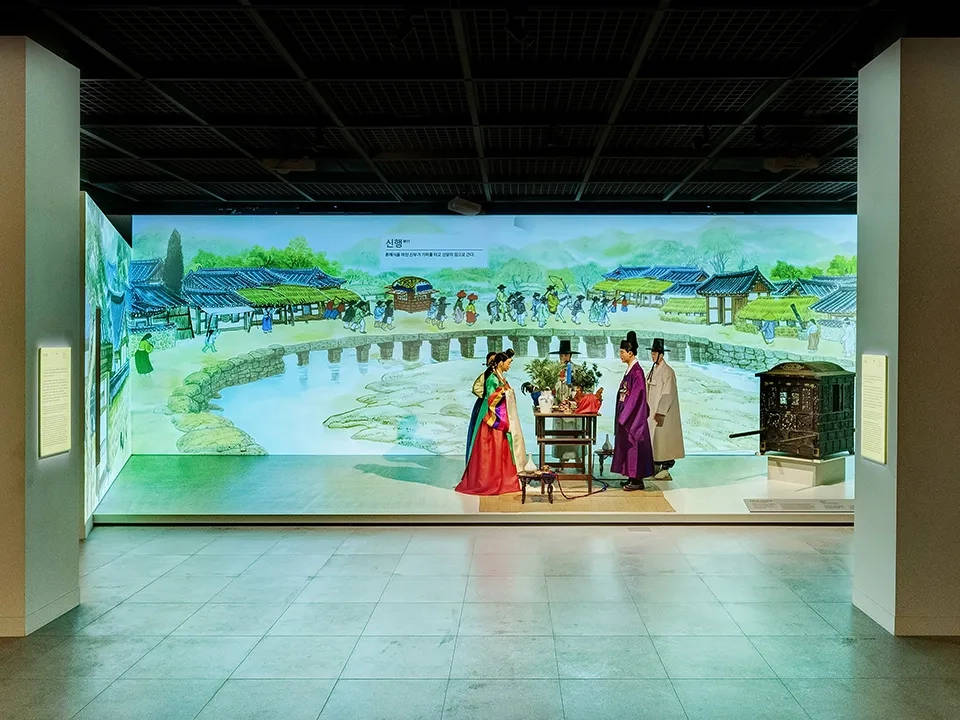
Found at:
[412, 408]
[206, 433]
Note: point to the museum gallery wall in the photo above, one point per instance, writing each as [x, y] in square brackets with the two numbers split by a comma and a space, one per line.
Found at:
[107, 354]
[362, 335]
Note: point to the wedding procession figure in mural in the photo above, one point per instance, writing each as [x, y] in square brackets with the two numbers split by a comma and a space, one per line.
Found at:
[502, 305]
[472, 308]
[541, 314]
[388, 315]
[632, 449]
[441, 315]
[520, 309]
[497, 450]
[493, 311]
[577, 309]
[666, 427]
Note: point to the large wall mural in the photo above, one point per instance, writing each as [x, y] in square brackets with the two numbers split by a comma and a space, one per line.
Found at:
[107, 354]
[363, 334]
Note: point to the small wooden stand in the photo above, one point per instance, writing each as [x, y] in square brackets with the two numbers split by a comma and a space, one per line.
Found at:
[602, 455]
[546, 483]
[585, 434]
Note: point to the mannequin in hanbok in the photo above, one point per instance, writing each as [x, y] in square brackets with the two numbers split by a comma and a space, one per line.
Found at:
[632, 450]
[478, 389]
[496, 450]
[666, 429]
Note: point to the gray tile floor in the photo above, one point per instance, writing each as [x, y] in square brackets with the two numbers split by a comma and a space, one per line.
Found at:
[489, 622]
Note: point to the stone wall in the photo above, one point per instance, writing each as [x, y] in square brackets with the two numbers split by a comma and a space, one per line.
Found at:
[189, 403]
[753, 358]
[198, 388]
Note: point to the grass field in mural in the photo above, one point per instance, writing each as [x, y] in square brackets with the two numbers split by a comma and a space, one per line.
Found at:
[363, 334]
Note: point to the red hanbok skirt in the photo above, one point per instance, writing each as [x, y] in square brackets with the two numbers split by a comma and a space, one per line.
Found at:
[490, 469]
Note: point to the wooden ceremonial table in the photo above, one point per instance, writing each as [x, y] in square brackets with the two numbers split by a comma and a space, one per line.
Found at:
[584, 435]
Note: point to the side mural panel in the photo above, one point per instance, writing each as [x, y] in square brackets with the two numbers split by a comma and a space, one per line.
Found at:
[363, 334]
[107, 388]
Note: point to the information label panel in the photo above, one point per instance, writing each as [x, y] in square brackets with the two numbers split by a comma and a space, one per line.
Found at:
[873, 408]
[54, 400]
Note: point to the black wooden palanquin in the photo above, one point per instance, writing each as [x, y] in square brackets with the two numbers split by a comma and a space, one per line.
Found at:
[806, 409]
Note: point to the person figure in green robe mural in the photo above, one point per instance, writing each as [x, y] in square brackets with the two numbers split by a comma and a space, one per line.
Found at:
[552, 299]
[141, 358]
[501, 302]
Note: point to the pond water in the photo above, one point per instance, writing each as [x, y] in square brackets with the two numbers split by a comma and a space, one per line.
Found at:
[398, 407]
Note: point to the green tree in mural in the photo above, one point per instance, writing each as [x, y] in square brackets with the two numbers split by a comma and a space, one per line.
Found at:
[842, 265]
[297, 254]
[672, 252]
[173, 265]
[785, 271]
[719, 246]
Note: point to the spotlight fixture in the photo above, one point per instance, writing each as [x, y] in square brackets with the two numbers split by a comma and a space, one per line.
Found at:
[463, 207]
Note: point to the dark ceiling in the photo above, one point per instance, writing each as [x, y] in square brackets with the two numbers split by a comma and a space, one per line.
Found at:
[251, 106]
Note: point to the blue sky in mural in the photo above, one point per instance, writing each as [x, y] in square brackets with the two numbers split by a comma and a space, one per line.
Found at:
[606, 239]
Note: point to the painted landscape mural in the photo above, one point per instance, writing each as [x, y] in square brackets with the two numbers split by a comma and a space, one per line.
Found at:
[363, 334]
[107, 355]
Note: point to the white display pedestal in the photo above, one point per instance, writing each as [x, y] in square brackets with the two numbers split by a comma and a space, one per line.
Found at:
[803, 471]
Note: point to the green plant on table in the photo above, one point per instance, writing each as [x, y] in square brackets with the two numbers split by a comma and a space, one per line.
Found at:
[543, 373]
[586, 376]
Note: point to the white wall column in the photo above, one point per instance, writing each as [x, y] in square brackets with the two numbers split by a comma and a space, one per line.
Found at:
[907, 535]
[42, 304]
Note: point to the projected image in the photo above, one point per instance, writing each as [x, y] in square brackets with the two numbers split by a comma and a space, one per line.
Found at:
[364, 334]
[107, 354]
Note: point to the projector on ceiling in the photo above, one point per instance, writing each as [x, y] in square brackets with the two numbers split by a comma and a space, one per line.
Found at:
[778, 164]
[286, 165]
[464, 207]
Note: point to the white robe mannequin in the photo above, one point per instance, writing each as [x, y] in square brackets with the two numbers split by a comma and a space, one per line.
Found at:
[663, 400]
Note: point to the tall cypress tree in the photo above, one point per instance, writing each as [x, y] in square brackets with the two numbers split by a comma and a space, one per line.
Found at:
[173, 265]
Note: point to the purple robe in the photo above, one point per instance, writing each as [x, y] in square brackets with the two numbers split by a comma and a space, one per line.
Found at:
[632, 450]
